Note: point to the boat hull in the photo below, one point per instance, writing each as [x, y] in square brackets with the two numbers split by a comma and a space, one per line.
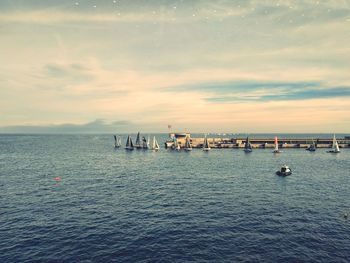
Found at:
[279, 173]
[277, 151]
[311, 149]
[129, 148]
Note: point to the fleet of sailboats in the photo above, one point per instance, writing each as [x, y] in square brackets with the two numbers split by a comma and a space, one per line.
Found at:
[145, 144]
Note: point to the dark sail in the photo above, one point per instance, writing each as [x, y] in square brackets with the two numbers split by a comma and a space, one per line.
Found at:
[247, 144]
[138, 141]
[129, 145]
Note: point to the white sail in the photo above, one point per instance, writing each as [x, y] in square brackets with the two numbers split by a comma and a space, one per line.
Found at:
[276, 144]
[276, 150]
[117, 141]
[188, 146]
[206, 146]
[177, 145]
[155, 145]
[335, 145]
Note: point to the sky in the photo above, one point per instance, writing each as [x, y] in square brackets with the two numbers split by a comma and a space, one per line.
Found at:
[201, 66]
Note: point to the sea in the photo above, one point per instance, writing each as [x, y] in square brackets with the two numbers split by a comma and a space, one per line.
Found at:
[74, 198]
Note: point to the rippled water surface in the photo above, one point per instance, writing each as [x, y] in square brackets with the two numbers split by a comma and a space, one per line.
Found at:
[118, 206]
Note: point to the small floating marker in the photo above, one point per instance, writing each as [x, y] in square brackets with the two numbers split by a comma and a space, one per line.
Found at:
[58, 179]
[345, 215]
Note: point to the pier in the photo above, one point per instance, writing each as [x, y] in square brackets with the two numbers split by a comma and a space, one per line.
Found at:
[257, 143]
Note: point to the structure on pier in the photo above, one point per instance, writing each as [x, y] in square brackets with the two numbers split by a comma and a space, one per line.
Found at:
[255, 142]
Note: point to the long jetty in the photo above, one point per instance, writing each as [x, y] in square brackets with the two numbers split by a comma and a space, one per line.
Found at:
[259, 143]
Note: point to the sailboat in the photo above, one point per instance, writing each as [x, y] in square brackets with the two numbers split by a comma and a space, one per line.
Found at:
[129, 145]
[117, 141]
[176, 145]
[247, 146]
[155, 145]
[145, 143]
[276, 150]
[335, 146]
[312, 146]
[188, 146]
[206, 146]
[138, 144]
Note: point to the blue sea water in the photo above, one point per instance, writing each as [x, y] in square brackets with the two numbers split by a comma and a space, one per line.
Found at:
[144, 206]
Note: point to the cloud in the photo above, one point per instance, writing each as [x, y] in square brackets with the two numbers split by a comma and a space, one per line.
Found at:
[147, 61]
[97, 126]
[287, 95]
[72, 71]
[240, 91]
[290, 13]
[244, 86]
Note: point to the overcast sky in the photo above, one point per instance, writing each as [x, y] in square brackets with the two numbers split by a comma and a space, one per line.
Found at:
[201, 66]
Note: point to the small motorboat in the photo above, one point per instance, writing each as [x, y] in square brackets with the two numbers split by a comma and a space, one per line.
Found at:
[285, 171]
